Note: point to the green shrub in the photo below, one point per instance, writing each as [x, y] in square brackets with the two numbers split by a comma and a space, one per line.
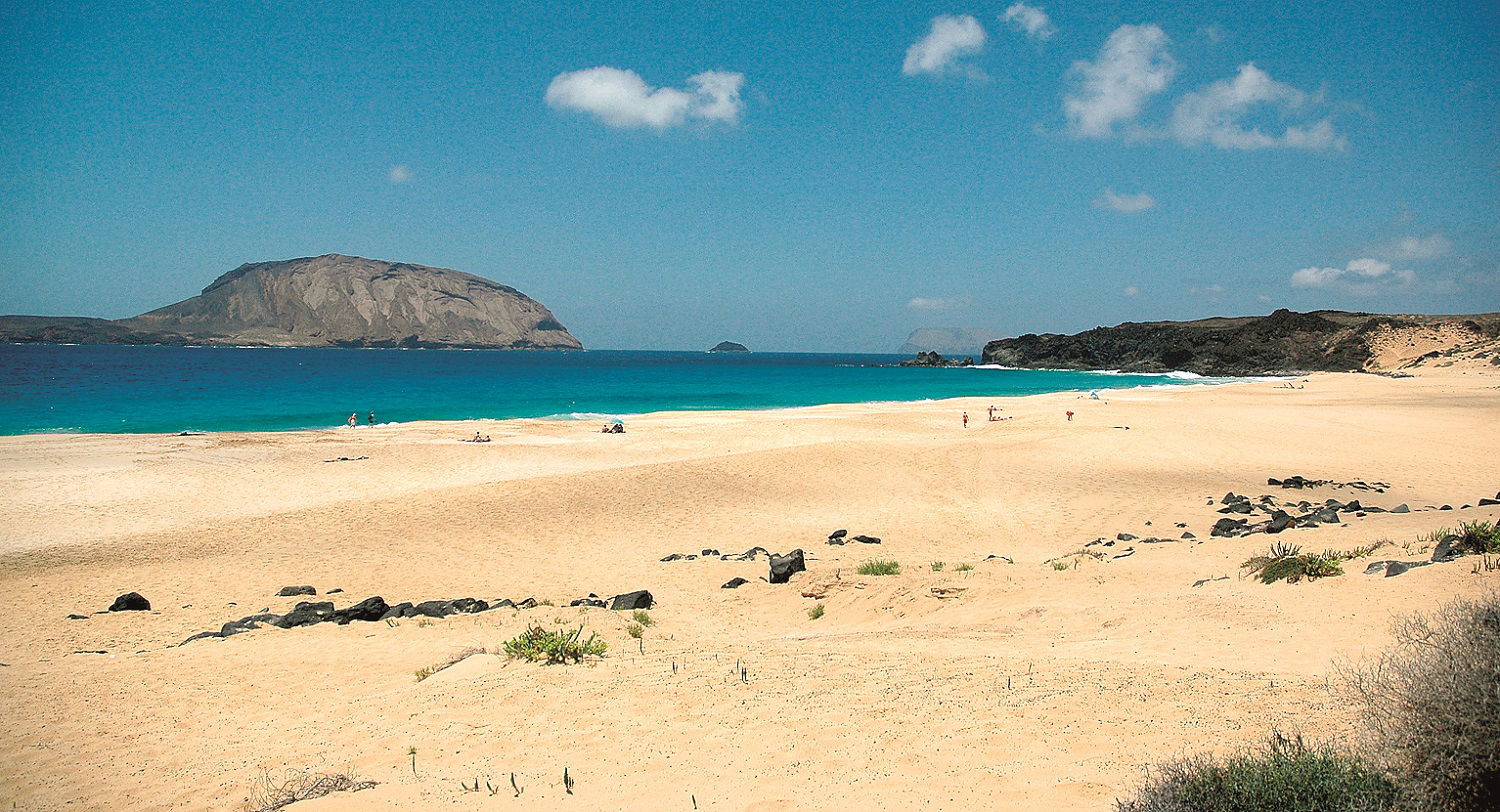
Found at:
[815, 612]
[1284, 775]
[879, 567]
[539, 644]
[1472, 537]
[635, 630]
[963, 568]
[937, 566]
[1432, 703]
[642, 617]
[1287, 562]
[1059, 565]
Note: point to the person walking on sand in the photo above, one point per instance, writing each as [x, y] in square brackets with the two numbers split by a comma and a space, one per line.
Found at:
[992, 413]
[1070, 417]
[966, 419]
[353, 421]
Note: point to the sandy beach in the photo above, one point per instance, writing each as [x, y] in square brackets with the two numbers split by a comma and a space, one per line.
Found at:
[1011, 685]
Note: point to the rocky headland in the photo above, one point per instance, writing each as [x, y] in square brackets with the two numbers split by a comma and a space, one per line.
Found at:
[1282, 342]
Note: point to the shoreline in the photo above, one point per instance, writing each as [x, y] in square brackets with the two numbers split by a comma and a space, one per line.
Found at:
[1192, 382]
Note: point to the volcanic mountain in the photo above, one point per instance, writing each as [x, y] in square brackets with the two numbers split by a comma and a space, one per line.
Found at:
[327, 301]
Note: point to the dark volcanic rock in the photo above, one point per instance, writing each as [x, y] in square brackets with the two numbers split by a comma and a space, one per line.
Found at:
[838, 534]
[369, 609]
[932, 359]
[1401, 508]
[130, 602]
[400, 610]
[729, 346]
[591, 600]
[1280, 520]
[306, 613]
[734, 583]
[293, 591]
[867, 539]
[1228, 527]
[783, 567]
[639, 599]
[432, 609]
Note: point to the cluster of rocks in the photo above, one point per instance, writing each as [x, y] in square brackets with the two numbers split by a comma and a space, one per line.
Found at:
[748, 555]
[309, 613]
[931, 358]
[1298, 481]
[1280, 516]
[841, 536]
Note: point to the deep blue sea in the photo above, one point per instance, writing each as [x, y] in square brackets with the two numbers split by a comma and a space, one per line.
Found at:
[112, 389]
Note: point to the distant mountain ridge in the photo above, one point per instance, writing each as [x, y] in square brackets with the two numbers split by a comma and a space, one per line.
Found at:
[1282, 342]
[947, 340]
[326, 301]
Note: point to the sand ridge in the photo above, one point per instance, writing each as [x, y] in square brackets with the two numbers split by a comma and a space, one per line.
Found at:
[1021, 687]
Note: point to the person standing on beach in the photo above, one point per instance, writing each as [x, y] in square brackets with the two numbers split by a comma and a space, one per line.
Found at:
[372, 418]
[966, 419]
[353, 420]
[992, 413]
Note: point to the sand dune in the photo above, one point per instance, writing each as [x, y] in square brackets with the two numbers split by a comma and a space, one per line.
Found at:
[1012, 685]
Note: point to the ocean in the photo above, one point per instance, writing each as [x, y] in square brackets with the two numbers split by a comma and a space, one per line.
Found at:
[118, 389]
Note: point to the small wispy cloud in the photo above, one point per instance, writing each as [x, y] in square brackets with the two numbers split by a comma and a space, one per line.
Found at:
[1132, 66]
[621, 98]
[398, 174]
[1124, 204]
[939, 303]
[1418, 249]
[1030, 20]
[946, 44]
[1131, 291]
[1362, 276]
[1215, 115]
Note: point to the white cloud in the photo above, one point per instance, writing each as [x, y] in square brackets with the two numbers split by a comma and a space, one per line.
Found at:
[924, 303]
[1132, 66]
[1419, 249]
[1210, 291]
[400, 173]
[1362, 276]
[1124, 204]
[621, 98]
[1215, 115]
[1132, 291]
[940, 51]
[1031, 20]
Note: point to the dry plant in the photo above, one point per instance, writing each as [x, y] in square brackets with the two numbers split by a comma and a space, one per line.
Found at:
[270, 793]
[1432, 704]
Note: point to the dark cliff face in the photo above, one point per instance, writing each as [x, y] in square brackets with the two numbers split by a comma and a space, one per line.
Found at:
[327, 301]
[1284, 341]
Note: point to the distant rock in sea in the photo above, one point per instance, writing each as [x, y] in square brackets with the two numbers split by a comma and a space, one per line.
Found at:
[947, 340]
[728, 346]
[932, 359]
[327, 301]
[1283, 342]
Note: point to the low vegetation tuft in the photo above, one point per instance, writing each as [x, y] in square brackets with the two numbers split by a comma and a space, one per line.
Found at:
[879, 567]
[1471, 538]
[937, 566]
[642, 617]
[815, 612]
[963, 568]
[1287, 562]
[1283, 775]
[537, 644]
[635, 630]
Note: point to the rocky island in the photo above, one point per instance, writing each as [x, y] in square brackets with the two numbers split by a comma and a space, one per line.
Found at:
[728, 346]
[1282, 342]
[327, 301]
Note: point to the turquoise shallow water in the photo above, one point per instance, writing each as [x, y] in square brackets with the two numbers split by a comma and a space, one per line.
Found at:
[113, 389]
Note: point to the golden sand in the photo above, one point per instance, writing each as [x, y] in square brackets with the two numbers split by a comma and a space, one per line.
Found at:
[1008, 686]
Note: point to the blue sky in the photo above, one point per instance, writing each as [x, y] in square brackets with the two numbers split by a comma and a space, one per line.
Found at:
[666, 175]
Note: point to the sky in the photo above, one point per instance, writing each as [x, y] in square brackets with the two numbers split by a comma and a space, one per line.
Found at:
[821, 178]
